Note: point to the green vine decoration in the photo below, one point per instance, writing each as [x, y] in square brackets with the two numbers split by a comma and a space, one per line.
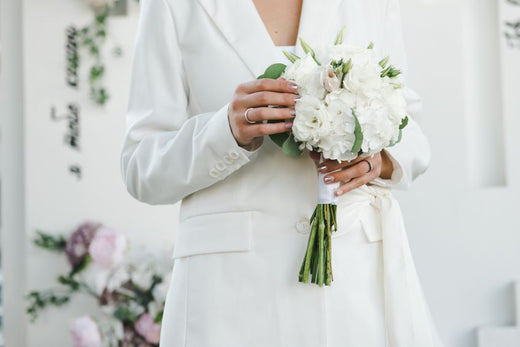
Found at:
[92, 37]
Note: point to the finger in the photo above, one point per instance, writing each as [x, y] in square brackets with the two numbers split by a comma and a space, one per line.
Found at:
[333, 165]
[262, 129]
[270, 98]
[359, 169]
[259, 114]
[315, 156]
[351, 185]
[265, 98]
[280, 85]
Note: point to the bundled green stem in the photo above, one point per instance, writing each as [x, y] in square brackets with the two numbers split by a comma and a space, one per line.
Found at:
[317, 261]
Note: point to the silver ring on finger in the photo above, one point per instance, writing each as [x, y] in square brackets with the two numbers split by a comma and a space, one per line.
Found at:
[370, 166]
[247, 118]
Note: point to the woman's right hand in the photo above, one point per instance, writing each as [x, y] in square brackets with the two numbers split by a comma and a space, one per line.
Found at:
[258, 95]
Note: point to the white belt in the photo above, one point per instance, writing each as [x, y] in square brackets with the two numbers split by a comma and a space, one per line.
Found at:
[408, 319]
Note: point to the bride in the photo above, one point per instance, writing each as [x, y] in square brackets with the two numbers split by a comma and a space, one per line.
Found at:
[244, 224]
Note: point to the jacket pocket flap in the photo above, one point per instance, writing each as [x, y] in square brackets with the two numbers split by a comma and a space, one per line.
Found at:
[214, 233]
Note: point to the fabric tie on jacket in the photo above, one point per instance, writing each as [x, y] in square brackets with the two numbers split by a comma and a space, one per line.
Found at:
[408, 321]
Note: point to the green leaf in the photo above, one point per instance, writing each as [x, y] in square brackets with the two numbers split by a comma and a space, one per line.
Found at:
[274, 71]
[50, 242]
[371, 45]
[279, 138]
[358, 133]
[124, 314]
[158, 317]
[398, 139]
[339, 38]
[404, 123]
[291, 147]
[82, 265]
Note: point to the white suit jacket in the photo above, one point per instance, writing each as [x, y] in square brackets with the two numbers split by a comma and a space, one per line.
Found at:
[189, 57]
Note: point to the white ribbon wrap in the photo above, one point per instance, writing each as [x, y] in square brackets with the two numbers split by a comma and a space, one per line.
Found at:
[326, 191]
[408, 318]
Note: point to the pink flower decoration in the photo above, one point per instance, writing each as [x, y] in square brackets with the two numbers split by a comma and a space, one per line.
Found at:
[78, 243]
[85, 333]
[148, 329]
[107, 248]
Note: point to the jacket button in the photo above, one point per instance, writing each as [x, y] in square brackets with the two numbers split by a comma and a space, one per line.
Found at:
[228, 160]
[303, 226]
[220, 165]
[234, 154]
[213, 173]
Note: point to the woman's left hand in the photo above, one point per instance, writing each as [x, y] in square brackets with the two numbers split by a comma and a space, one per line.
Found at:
[355, 173]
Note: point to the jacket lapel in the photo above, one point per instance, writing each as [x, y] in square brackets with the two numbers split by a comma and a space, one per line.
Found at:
[315, 20]
[242, 26]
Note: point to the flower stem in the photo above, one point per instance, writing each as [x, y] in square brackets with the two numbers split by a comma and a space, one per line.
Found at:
[321, 246]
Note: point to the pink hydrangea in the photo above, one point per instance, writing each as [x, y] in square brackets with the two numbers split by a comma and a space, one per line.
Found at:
[147, 328]
[107, 248]
[85, 333]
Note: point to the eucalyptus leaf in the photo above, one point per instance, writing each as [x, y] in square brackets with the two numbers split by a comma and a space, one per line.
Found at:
[358, 133]
[404, 123]
[398, 139]
[274, 71]
[279, 138]
[291, 147]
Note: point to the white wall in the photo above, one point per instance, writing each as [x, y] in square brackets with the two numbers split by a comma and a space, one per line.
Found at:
[462, 226]
[463, 231]
[56, 201]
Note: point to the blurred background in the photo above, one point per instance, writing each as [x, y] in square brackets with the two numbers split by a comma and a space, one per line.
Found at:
[63, 95]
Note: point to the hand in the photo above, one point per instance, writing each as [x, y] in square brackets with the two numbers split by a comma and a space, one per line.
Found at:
[257, 95]
[355, 173]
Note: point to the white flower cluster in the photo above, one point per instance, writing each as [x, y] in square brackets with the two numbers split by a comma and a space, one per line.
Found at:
[350, 104]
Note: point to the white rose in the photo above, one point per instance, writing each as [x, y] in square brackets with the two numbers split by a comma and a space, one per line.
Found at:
[142, 275]
[364, 79]
[338, 144]
[379, 130]
[312, 121]
[307, 75]
[396, 103]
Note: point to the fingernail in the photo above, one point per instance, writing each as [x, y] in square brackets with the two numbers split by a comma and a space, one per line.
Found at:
[337, 192]
[328, 179]
[297, 98]
[293, 112]
[288, 125]
[293, 86]
[322, 168]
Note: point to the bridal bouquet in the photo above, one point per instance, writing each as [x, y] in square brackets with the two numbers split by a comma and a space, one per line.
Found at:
[351, 106]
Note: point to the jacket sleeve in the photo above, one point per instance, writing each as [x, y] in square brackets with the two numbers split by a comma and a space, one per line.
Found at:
[166, 153]
[411, 156]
